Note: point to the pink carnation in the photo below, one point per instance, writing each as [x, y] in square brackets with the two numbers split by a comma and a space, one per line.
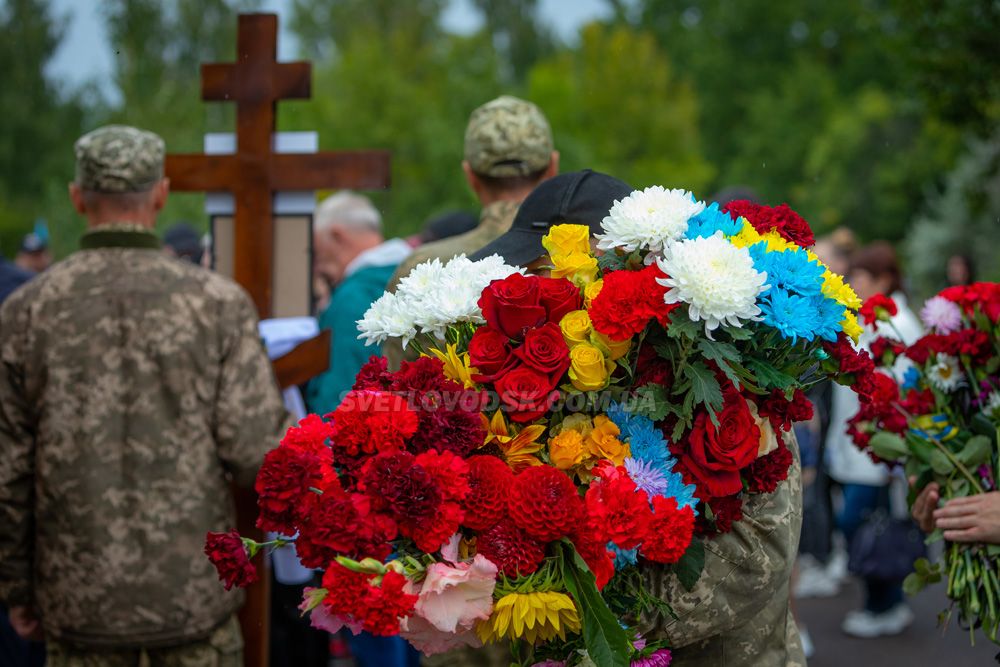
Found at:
[941, 315]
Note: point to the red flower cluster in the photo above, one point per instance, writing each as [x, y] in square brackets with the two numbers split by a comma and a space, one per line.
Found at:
[878, 412]
[769, 470]
[282, 486]
[877, 307]
[230, 558]
[852, 363]
[512, 550]
[725, 512]
[544, 503]
[343, 524]
[984, 296]
[782, 413]
[377, 607]
[669, 533]
[522, 349]
[885, 350]
[367, 421]
[782, 219]
[616, 509]
[490, 480]
[973, 343]
[628, 301]
[714, 455]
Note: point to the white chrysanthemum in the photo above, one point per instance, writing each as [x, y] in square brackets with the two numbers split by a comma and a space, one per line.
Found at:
[388, 317]
[424, 276]
[946, 374]
[992, 405]
[715, 278]
[649, 219]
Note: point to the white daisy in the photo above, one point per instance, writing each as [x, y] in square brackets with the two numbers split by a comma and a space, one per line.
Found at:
[715, 278]
[946, 374]
[648, 219]
[992, 405]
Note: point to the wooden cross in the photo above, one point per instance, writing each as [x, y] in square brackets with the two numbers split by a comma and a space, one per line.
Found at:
[253, 174]
[255, 83]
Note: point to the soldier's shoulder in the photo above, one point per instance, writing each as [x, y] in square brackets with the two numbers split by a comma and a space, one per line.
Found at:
[213, 285]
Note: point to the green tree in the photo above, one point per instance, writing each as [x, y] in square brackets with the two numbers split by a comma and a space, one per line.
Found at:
[520, 38]
[616, 105]
[39, 122]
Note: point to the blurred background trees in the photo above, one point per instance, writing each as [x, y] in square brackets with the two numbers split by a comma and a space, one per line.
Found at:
[880, 115]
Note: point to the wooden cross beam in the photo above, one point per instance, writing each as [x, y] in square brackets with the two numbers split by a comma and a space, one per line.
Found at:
[255, 83]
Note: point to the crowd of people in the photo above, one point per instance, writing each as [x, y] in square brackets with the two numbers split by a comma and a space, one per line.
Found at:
[134, 388]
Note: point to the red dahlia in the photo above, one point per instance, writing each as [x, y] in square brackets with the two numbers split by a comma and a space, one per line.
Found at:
[230, 558]
[512, 550]
[669, 533]
[490, 480]
[544, 503]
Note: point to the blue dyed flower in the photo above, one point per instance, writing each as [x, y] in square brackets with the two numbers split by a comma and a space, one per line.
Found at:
[790, 270]
[911, 378]
[712, 220]
[623, 557]
[828, 316]
[793, 316]
[647, 476]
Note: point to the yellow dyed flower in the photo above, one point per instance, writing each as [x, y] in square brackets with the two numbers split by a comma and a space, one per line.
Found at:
[534, 617]
[589, 370]
[518, 447]
[775, 242]
[835, 288]
[576, 327]
[747, 236]
[612, 349]
[591, 291]
[851, 326]
[456, 366]
[567, 240]
[603, 441]
[567, 450]
[579, 267]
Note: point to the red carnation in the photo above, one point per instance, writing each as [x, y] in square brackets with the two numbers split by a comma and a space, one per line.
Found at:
[229, 556]
[370, 421]
[885, 350]
[769, 470]
[282, 484]
[594, 552]
[628, 301]
[513, 551]
[310, 435]
[512, 305]
[782, 413]
[545, 350]
[669, 533]
[877, 307]
[558, 296]
[616, 503]
[727, 510]
[544, 503]
[373, 375]
[422, 375]
[342, 524]
[985, 296]
[490, 480]
[378, 609]
[781, 219]
[489, 353]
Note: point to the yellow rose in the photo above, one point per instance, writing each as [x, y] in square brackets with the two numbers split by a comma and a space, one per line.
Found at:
[577, 422]
[603, 441]
[768, 441]
[591, 291]
[566, 450]
[588, 369]
[579, 267]
[576, 327]
[612, 349]
[567, 239]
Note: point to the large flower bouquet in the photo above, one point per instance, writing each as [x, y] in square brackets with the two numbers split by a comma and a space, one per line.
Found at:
[560, 432]
[937, 412]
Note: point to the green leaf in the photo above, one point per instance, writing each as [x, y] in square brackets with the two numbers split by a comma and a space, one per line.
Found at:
[940, 463]
[682, 327]
[652, 401]
[889, 446]
[738, 333]
[688, 569]
[976, 451]
[914, 583]
[612, 261]
[606, 641]
[768, 375]
[722, 354]
[704, 387]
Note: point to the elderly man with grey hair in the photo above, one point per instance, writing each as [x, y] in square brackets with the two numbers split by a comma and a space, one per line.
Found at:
[351, 254]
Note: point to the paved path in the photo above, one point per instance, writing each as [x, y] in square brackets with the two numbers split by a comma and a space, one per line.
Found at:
[921, 644]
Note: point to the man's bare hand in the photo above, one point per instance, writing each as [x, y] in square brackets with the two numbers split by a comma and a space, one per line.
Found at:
[924, 506]
[26, 624]
[971, 519]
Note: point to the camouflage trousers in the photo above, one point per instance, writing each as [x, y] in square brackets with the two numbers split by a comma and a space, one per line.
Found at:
[223, 648]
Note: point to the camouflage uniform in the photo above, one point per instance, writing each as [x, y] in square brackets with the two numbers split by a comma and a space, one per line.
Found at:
[133, 387]
[505, 137]
[738, 614]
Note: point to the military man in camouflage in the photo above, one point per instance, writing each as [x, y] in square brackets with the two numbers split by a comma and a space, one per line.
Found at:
[133, 388]
[508, 151]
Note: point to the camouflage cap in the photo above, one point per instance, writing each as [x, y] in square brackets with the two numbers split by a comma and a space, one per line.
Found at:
[508, 137]
[119, 159]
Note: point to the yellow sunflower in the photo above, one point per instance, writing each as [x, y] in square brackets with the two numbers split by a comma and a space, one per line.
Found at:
[536, 617]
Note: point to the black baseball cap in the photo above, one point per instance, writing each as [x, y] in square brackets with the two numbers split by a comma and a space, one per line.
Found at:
[577, 198]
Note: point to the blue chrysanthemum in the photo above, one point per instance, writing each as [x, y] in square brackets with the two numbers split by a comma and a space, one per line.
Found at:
[712, 220]
[681, 492]
[793, 316]
[911, 378]
[623, 557]
[790, 270]
[828, 315]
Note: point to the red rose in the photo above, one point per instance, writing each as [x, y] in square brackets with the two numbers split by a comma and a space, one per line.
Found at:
[558, 296]
[877, 307]
[526, 393]
[489, 352]
[714, 456]
[512, 305]
[545, 350]
[230, 558]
